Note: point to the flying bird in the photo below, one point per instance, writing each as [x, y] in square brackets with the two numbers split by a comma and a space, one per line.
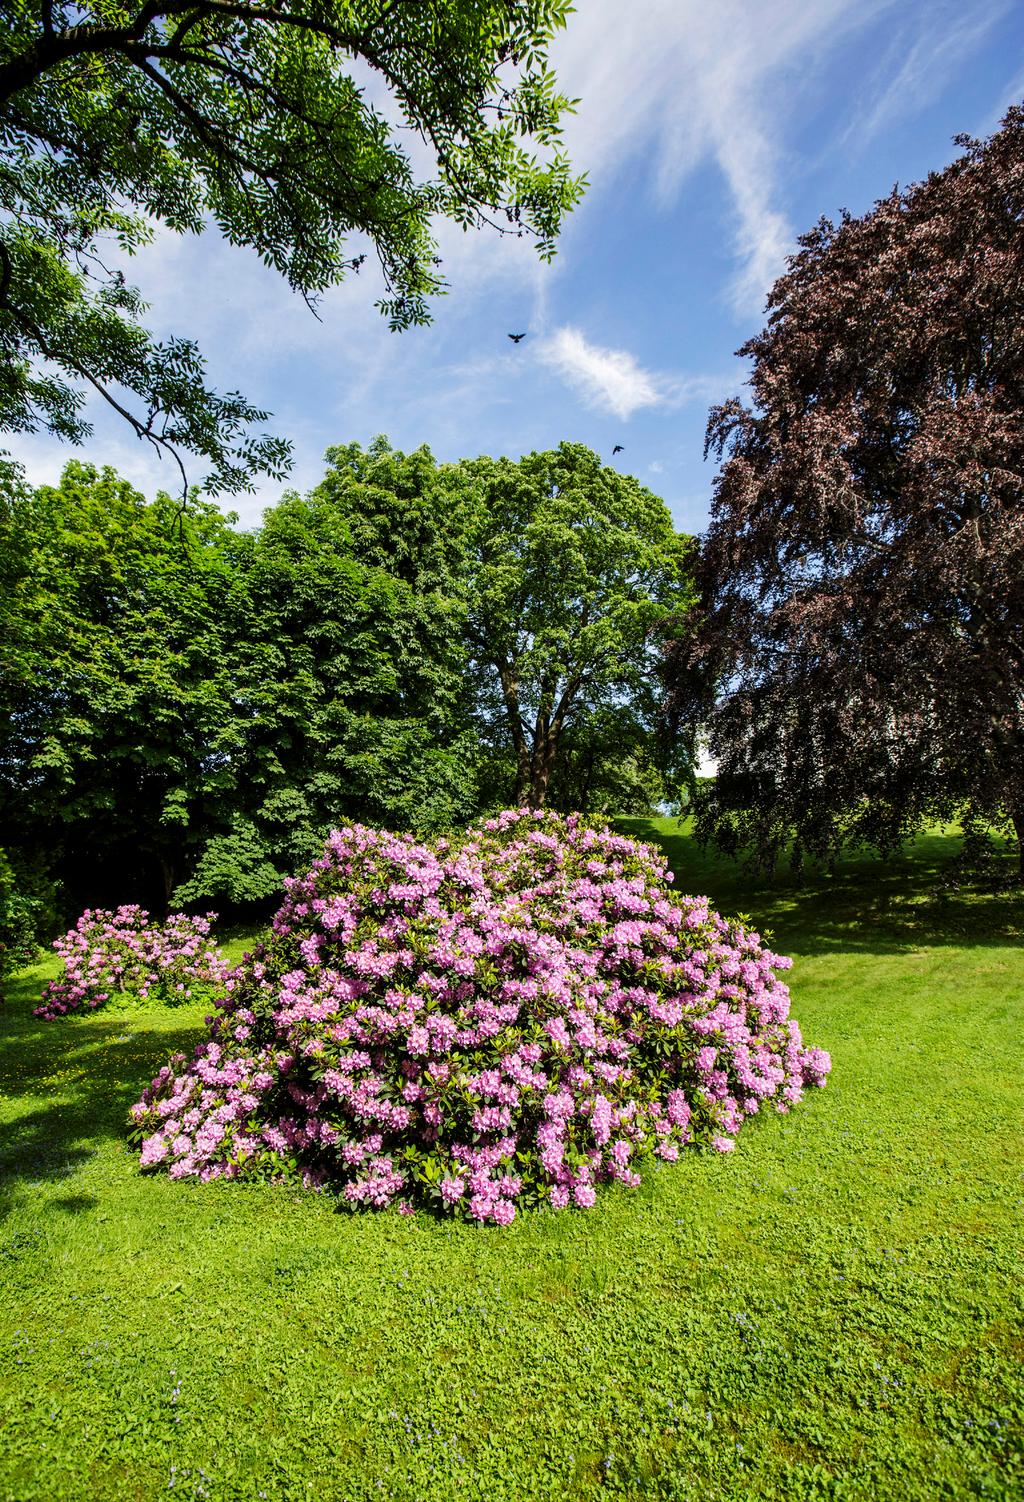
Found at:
[516, 337]
[617, 450]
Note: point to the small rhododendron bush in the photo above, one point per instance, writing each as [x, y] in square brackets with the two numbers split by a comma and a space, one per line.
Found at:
[504, 1020]
[124, 952]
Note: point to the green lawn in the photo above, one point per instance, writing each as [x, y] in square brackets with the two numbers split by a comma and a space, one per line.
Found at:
[834, 1311]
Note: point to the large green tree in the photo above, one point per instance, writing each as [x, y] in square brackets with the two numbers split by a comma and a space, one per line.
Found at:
[285, 124]
[615, 757]
[119, 725]
[349, 677]
[578, 572]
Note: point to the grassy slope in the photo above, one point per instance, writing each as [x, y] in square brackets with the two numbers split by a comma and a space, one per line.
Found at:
[832, 1312]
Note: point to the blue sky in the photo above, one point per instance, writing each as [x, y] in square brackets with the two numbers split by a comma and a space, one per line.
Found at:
[712, 134]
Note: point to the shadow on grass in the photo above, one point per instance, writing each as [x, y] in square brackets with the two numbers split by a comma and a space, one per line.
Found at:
[868, 904]
[83, 1075]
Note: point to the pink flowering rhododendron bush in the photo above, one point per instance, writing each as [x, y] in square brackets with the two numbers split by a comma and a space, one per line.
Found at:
[125, 952]
[507, 1019]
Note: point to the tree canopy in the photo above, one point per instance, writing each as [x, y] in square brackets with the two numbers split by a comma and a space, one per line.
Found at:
[285, 125]
[578, 571]
[859, 646]
[119, 723]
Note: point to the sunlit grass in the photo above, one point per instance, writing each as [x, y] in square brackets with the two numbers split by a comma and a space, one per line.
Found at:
[834, 1311]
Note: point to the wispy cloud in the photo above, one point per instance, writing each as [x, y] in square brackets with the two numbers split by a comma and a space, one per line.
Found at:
[613, 380]
[924, 53]
[687, 83]
[610, 379]
[224, 296]
[43, 457]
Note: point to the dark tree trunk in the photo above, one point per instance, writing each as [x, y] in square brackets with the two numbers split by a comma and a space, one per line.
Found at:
[541, 777]
[1017, 818]
[522, 787]
[587, 785]
[546, 737]
[510, 692]
[543, 766]
[170, 881]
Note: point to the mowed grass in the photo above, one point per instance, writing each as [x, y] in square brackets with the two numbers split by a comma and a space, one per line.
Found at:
[834, 1311]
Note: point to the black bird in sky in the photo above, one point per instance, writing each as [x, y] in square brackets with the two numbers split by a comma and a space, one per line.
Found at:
[617, 450]
[516, 337]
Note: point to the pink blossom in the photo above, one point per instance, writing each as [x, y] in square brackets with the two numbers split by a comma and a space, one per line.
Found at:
[493, 1007]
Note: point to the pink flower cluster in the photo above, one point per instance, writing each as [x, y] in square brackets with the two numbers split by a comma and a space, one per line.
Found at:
[124, 951]
[506, 1019]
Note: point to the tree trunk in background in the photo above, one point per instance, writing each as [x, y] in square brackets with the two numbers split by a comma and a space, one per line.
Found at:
[170, 881]
[519, 799]
[544, 764]
[545, 744]
[541, 777]
[510, 693]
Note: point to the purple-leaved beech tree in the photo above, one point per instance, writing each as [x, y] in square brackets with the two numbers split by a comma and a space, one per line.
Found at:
[858, 652]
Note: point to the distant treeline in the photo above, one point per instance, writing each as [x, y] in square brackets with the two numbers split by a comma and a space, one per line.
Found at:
[186, 708]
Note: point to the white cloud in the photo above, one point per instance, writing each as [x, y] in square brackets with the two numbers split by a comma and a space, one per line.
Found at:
[656, 467]
[222, 295]
[609, 379]
[1012, 94]
[614, 381]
